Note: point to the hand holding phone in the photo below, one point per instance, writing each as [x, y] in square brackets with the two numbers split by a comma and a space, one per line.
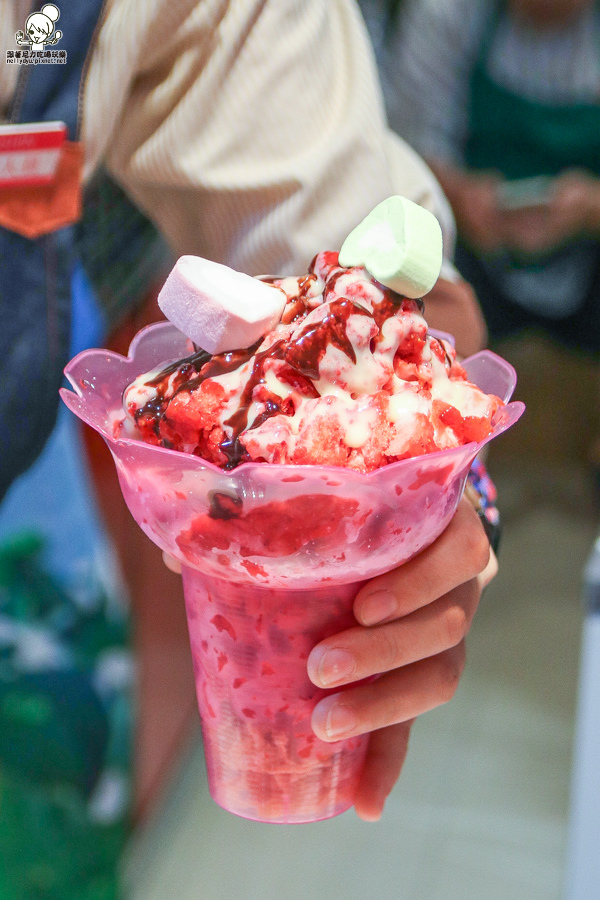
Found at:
[525, 193]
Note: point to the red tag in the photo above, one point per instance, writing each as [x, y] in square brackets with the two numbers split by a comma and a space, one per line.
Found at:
[30, 153]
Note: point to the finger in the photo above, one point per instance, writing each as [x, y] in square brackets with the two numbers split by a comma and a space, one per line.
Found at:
[385, 757]
[460, 553]
[490, 571]
[395, 697]
[362, 652]
[453, 307]
[171, 563]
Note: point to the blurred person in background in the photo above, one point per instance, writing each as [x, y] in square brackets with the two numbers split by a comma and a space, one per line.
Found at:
[253, 134]
[501, 99]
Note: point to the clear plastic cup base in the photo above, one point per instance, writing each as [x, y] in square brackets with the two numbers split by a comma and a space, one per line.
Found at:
[289, 798]
[249, 648]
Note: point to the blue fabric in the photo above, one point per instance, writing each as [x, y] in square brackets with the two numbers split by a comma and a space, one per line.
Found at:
[88, 325]
[59, 479]
[35, 279]
[35, 275]
[56, 488]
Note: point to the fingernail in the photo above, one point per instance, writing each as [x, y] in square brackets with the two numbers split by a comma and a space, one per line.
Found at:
[375, 811]
[334, 719]
[330, 666]
[377, 607]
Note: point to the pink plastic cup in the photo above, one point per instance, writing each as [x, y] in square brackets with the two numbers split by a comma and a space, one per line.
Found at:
[249, 646]
[272, 557]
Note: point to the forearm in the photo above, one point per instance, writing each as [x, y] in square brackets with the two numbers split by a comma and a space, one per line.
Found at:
[474, 199]
[255, 140]
[267, 146]
[452, 307]
[456, 182]
[592, 208]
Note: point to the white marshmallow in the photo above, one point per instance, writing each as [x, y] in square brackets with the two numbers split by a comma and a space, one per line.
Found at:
[218, 308]
[400, 244]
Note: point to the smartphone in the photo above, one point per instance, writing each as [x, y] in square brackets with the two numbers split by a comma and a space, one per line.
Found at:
[525, 192]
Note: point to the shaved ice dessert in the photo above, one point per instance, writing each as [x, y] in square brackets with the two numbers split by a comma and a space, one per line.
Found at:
[286, 468]
[350, 376]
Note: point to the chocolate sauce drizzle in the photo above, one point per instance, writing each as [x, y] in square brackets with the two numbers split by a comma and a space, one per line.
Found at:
[301, 357]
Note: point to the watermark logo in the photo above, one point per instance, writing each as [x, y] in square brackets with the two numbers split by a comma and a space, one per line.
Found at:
[39, 35]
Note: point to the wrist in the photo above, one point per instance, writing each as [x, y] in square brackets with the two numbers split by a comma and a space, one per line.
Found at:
[592, 213]
[480, 491]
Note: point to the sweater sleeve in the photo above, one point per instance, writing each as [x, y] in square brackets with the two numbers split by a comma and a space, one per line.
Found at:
[251, 132]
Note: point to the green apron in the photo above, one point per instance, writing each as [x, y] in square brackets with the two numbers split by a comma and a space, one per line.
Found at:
[522, 138]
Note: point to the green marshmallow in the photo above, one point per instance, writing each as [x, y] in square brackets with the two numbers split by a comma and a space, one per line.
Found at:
[400, 244]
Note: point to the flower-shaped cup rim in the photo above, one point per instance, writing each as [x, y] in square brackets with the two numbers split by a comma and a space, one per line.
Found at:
[486, 369]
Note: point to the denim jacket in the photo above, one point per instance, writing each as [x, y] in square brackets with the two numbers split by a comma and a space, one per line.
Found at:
[35, 274]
